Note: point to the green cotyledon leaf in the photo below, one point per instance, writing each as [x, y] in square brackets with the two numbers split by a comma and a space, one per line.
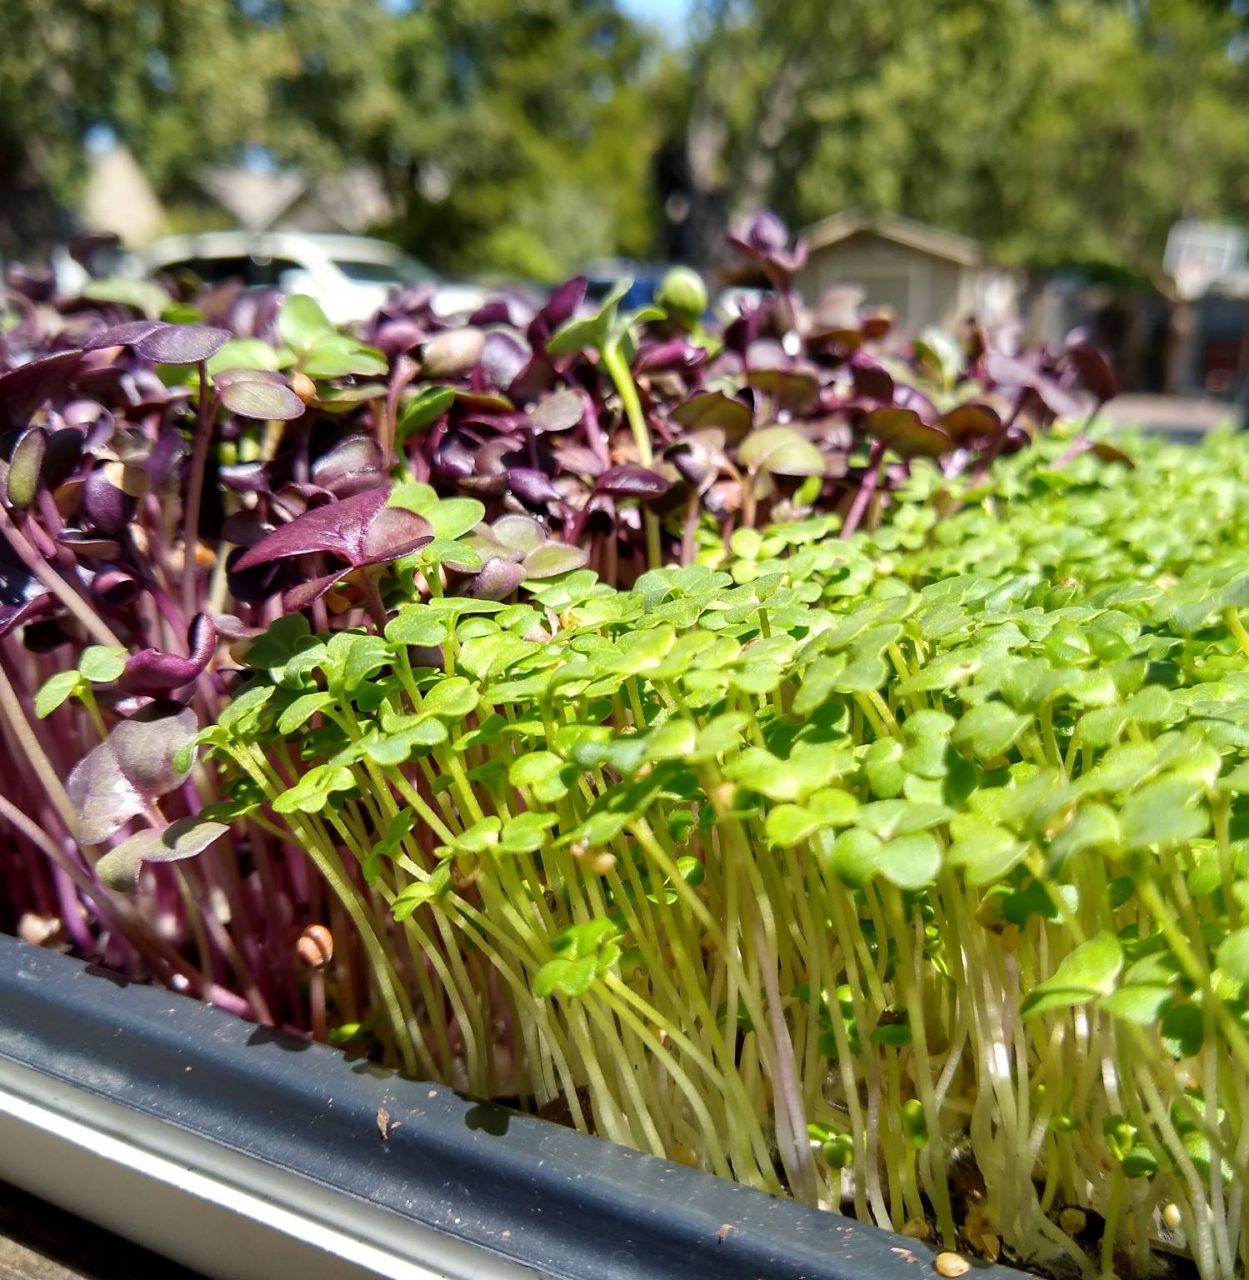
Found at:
[1091, 970]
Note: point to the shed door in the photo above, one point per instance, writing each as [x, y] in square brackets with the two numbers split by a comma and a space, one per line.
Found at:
[884, 285]
[887, 289]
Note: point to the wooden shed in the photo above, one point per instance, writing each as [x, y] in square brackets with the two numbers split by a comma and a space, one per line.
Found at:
[923, 274]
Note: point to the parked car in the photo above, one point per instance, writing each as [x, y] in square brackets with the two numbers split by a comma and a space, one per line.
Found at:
[350, 276]
[603, 274]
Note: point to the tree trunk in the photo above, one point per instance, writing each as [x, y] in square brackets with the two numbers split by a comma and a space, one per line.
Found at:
[31, 220]
[758, 162]
[1181, 346]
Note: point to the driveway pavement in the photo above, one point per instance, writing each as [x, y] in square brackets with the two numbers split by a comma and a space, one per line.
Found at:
[1182, 418]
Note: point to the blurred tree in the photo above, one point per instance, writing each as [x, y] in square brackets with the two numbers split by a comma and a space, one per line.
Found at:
[1055, 130]
[525, 137]
[171, 79]
[509, 136]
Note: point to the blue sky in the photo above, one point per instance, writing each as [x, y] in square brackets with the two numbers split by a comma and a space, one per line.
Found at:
[668, 15]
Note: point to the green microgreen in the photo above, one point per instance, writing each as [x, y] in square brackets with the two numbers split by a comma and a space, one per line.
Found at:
[827, 864]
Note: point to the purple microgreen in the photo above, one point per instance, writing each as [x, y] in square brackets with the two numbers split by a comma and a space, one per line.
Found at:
[560, 307]
[562, 410]
[906, 433]
[122, 335]
[24, 389]
[1016, 374]
[715, 409]
[497, 579]
[1094, 372]
[503, 357]
[452, 353]
[109, 507]
[765, 238]
[532, 486]
[360, 530]
[631, 481]
[180, 343]
[125, 775]
[251, 394]
[353, 465]
[872, 380]
[119, 868]
[151, 671]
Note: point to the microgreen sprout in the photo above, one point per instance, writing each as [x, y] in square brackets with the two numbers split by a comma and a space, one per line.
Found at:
[730, 737]
[831, 888]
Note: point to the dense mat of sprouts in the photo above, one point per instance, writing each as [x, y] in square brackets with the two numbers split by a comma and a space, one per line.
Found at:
[905, 874]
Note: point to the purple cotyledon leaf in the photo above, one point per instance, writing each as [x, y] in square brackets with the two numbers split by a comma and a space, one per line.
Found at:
[360, 530]
[150, 670]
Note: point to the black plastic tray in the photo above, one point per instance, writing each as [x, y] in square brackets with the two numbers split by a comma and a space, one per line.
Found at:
[547, 1198]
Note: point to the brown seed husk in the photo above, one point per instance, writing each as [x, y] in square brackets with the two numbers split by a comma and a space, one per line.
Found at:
[1072, 1221]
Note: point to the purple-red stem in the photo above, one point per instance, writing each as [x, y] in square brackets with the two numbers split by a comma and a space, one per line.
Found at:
[868, 486]
[990, 454]
[199, 462]
[693, 507]
[593, 430]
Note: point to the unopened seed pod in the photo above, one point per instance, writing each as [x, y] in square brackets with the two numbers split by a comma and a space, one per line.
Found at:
[315, 947]
[304, 387]
[683, 292]
[1172, 1218]
[952, 1265]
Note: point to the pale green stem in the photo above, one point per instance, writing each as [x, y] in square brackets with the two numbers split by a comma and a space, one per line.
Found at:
[1237, 628]
[622, 377]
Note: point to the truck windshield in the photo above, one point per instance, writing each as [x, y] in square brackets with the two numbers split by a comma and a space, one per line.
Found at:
[400, 270]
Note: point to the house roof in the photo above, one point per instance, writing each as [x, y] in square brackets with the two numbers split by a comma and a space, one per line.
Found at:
[352, 199]
[915, 235]
[119, 198]
[254, 198]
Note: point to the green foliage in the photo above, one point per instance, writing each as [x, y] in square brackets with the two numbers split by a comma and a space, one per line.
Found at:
[524, 139]
[1074, 132]
[922, 775]
[508, 138]
[482, 120]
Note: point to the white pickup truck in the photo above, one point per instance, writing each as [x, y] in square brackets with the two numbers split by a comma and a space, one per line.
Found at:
[350, 276]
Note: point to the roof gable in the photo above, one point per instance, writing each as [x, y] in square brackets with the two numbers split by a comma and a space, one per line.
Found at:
[914, 235]
[259, 200]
